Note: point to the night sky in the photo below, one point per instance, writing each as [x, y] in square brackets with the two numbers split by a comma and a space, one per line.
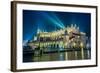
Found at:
[34, 21]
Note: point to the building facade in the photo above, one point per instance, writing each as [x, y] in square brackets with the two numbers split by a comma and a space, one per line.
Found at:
[69, 37]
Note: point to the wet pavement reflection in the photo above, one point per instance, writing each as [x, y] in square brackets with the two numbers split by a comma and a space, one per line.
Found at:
[57, 56]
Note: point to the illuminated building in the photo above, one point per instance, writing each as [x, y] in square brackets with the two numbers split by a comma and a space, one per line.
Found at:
[69, 37]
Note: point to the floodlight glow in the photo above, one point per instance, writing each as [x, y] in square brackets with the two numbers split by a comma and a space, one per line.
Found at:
[57, 19]
[54, 20]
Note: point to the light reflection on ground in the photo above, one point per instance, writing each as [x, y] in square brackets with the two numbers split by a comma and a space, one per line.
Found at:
[57, 56]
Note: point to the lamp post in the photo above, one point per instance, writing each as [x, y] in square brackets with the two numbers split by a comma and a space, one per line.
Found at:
[82, 50]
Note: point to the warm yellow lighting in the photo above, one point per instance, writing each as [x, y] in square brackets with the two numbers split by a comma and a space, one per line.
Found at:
[81, 45]
[61, 38]
[78, 36]
[74, 44]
